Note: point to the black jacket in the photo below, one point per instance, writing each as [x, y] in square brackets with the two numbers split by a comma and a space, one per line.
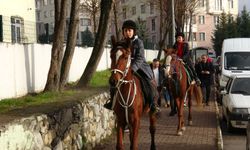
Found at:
[186, 52]
[205, 78]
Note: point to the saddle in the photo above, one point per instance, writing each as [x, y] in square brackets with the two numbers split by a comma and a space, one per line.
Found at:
[146, 90]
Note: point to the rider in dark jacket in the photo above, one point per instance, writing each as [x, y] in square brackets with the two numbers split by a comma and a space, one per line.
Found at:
[139, 65]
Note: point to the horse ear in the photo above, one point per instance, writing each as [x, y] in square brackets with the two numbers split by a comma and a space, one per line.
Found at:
[113, 40]
[129, 43]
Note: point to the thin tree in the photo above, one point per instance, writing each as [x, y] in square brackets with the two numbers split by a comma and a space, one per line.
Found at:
[92, 7]
[117, 33]
[53, 78]
[71, 42]
[98, 49]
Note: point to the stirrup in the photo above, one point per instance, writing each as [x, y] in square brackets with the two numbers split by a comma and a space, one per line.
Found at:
[108, 104]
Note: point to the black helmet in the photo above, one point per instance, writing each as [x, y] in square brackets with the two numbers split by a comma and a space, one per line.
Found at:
[179, 34]
[129, 24]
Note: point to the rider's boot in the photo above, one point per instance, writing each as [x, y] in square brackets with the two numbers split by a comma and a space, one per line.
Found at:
[108, 104]
[194, 75]
[154, 108]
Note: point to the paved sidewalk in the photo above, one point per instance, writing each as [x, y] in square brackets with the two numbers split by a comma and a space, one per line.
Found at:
[202, 135]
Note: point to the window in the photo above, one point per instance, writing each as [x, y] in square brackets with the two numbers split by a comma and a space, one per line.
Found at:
[216, 20]
[153, 39]
[45, 2]
[231, 4]
[38, 15]
[153, 24]
[38, 5]
[194, 19]
[52, 13]
[85, 22]
[45, 14]
[124, 13]
[194, 36]
[201, 19]
[237, 61]
[202, 36]
[16, 29]
[218, 5]
[134, 10]
[201, 3]
[151, 8]
[143, 9]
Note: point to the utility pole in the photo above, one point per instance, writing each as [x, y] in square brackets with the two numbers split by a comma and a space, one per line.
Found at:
[173, 23]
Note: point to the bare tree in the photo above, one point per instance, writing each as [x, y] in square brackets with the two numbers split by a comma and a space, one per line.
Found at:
[115, 19]
[71, 42]
[53, 78]
[191, 8]
[98, 49]
[92, 7]
[164, 8]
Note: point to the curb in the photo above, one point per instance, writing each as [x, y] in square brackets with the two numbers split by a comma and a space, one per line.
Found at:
[219, 134]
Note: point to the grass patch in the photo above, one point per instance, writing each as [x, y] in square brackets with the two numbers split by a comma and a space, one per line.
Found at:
[97, 84]
[100, 79]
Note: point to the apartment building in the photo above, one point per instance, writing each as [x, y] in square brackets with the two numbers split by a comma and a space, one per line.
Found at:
[205, 18]
[45, 21]
[142, 12]
[17, 21]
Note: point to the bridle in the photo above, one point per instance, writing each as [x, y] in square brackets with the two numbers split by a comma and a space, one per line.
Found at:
[125, 103]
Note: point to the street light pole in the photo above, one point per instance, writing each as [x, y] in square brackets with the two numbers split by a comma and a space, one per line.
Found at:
[173, 23]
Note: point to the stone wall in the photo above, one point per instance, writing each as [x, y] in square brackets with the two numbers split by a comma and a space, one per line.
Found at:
[81, 126]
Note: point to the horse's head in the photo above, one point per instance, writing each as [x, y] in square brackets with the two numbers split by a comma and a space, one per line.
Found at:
[120, 60]
[170, 55]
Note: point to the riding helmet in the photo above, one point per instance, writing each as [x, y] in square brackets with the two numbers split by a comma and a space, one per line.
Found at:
[179, 34]
[130, 24]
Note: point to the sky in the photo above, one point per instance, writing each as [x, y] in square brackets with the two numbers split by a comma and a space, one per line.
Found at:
[242, 3]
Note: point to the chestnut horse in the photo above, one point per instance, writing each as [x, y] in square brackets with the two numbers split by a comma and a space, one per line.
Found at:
[180, 87]
[128, 103]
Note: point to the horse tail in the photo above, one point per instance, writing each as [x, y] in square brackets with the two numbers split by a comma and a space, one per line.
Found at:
[197, 94]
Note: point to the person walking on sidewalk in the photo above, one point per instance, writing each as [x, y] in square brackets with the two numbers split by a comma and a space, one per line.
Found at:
[139, 66]
[158, 75]
[205, 72]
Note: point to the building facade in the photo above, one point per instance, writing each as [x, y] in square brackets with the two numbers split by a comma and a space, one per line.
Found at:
[17, 21]
[45, 11]
[205, 18]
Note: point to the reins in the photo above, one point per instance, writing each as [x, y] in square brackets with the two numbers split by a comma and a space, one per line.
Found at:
[124, 101]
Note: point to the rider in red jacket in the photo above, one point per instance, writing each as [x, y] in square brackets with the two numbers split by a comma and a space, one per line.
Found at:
[183, 53]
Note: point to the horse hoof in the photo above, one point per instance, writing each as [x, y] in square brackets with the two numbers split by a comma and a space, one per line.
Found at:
[183, 128]
[190, 123]
[179, 133]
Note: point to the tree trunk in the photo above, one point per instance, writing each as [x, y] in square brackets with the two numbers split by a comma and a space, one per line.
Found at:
[116, 22]
[99, 44]
[71, 42]
[53, 78]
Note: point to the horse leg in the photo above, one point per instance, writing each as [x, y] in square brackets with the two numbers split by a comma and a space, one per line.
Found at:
[178, 103]
[190, 122]
[134, 134]
[152, 129]
[183, 128]
[120, 132]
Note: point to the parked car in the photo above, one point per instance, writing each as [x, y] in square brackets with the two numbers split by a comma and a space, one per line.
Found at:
[236, 102]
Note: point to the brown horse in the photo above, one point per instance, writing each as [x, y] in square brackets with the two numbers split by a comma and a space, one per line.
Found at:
[180, 88]
[128, 103]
